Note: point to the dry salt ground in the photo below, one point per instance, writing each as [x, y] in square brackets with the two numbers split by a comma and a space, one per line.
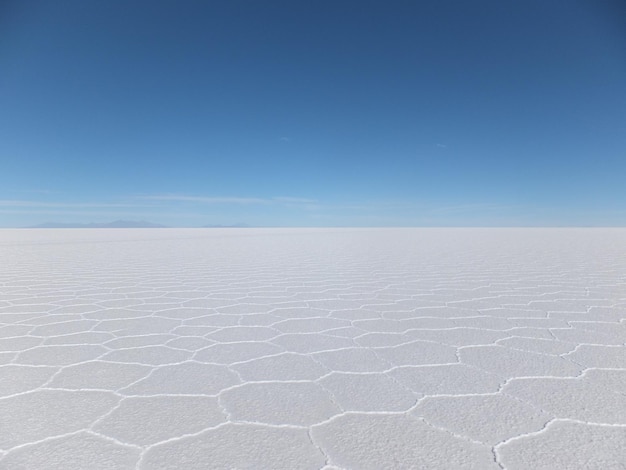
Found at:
[313, 349]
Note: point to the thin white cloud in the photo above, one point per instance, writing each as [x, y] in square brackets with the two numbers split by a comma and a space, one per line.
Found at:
[294, 200]
[151, 201]
[33, 191]
[465, 208]
[228, 199]
[442, 146]
[206, 200]
[35, 204]
[63, 212]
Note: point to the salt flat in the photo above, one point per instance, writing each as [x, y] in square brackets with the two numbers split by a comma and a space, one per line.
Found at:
[313, 348]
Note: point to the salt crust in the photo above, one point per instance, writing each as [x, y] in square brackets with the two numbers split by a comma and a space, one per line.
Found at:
[312, 348]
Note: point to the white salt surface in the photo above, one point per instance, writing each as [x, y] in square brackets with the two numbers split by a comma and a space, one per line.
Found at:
[313, 348]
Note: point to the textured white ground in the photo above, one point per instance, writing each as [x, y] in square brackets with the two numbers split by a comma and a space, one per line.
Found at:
[313, 348]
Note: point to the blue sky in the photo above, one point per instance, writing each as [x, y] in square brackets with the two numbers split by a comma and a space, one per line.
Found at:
[313, 113]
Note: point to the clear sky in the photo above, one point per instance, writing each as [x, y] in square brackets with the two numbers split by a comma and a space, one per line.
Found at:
[313, 113]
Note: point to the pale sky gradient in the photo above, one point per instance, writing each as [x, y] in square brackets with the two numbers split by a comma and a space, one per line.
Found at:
[324, 113]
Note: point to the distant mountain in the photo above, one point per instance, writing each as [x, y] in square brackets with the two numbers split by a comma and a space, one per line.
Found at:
[227, 226]
[114, 224]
